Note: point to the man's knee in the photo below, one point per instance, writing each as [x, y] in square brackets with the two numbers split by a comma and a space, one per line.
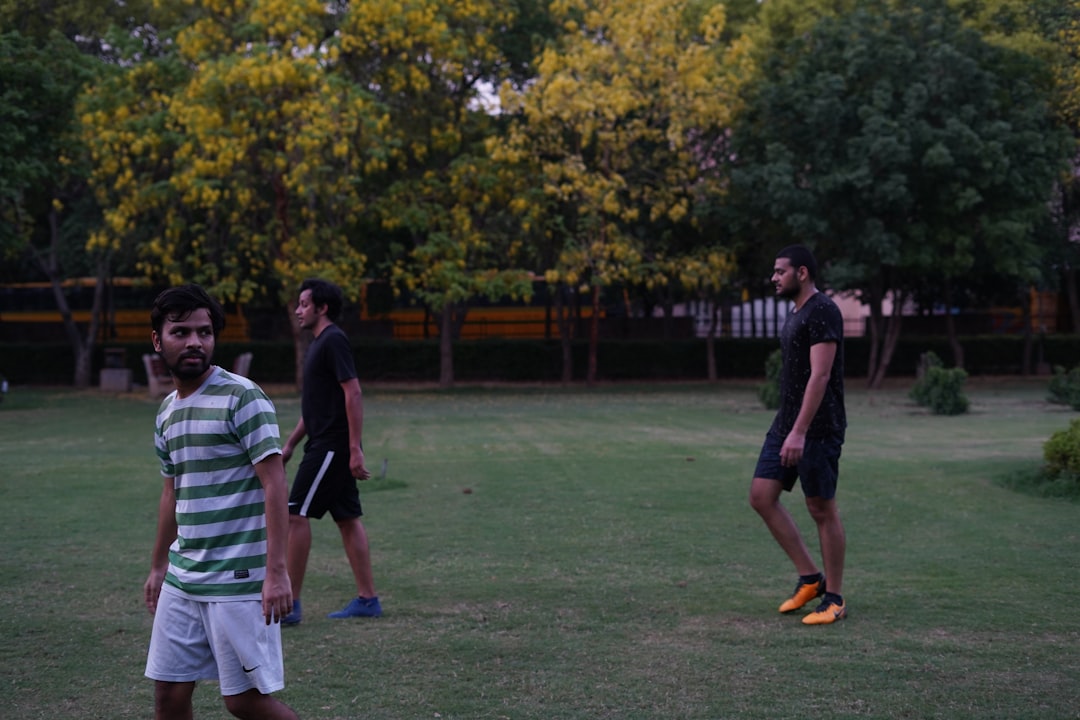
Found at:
[172, 699]
[822, 511]
[764, 494]
[246, 705]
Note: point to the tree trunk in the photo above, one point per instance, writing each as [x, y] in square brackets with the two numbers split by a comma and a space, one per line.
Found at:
[594, 335]
[710, 341]
[892, 336]
[446, 347]
[563, 319]
[950, 328]
[82, 347]
[751, 306]
[1026, 363]
[84, 353]
[667, 303]
[877, 325]
[1074, 298]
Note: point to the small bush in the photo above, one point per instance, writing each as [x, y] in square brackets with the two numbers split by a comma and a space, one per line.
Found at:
[920, 391]
[1064, 387]
[769, 393]
[1062, 452]
[938, 388]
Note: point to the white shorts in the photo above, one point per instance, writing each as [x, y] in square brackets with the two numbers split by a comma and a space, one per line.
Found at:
[225, 641]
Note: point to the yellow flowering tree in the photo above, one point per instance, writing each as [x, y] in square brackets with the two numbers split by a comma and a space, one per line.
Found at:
[243, 169]
[626, 125]
[428, 62]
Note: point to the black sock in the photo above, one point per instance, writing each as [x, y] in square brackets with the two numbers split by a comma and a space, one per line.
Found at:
[807, 579]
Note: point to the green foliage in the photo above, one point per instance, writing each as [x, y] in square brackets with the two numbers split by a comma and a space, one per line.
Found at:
[904, 145]
[83, 21]
[1064, 388]
[920, 391]
[769, 393]
[1062, 453]
[940, 389]
[39, 82]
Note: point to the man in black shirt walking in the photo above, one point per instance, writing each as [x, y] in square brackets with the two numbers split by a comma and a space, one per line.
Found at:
[332, 418]
[806, 437]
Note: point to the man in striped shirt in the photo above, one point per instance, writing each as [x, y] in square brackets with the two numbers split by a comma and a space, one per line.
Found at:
[218, 583]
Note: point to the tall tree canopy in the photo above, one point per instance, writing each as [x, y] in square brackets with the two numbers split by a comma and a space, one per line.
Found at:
[45, 209]
[238, 160]
[430, 62]
[625, 124]
[902, 146]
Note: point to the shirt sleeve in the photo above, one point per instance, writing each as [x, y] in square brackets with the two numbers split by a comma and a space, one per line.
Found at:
[342, 357]
[256, 425]
[826, 324]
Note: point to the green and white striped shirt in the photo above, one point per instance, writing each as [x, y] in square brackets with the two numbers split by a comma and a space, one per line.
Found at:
[209, 443]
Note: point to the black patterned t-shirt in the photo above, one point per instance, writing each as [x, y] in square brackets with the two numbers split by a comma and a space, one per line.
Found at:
[818, 320]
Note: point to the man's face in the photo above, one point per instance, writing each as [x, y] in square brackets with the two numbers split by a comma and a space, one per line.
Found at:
[785, 278]
[306, 312]
[186, 345]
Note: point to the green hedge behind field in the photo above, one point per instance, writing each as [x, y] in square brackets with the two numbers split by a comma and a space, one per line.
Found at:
[537, 360]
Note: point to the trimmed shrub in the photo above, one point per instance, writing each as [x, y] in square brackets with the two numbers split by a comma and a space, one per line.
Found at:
[920, 391]
[938, 388]
[769, 393]
[1062, 452]
[1064, 387]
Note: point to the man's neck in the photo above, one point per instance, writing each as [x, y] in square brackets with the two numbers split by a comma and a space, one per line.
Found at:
[807, 292]
[321, 325]
[188, 387]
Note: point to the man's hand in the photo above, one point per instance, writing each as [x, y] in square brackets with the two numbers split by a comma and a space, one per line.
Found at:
[152, 589]
[792, 449]
[276, 595]
[356, 464]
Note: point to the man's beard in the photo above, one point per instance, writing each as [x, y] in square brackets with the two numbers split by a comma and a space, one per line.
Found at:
[189, 372]
[787, 293]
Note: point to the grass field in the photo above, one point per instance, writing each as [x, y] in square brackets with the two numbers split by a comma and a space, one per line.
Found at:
[556, 553]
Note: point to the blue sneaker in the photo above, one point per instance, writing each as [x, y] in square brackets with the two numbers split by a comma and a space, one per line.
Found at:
[292, 618]
[360, 607]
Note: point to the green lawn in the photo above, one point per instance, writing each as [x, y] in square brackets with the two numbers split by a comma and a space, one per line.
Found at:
[568, 553]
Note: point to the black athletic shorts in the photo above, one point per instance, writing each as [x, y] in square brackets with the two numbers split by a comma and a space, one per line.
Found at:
[324, 483]
[818, 469]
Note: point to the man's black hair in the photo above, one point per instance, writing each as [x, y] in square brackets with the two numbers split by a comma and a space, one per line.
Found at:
[800, 256]
[324, 292]
[177, 303]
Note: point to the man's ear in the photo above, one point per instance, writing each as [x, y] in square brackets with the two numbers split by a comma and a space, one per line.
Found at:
[155, 341]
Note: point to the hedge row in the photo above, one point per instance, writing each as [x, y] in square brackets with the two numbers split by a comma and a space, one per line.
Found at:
[532, 360]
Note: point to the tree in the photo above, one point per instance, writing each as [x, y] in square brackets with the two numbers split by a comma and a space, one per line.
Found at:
[86, 23]
[42, 194]
[706, 273]
[428, 62]
[1060, 22]
[459, 246]
[624, 123]
[249, 169]
[903, 146]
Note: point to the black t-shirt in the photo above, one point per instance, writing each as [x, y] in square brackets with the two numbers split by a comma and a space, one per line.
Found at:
[328, 363]
[818, 320]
